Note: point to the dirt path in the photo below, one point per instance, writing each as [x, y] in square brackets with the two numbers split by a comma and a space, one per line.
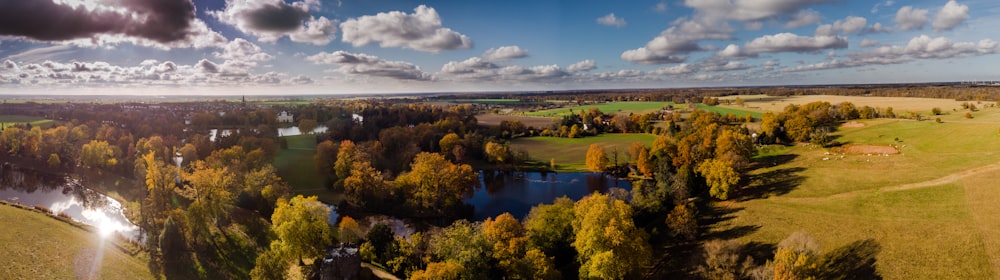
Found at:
[930, 183]
[381, 274]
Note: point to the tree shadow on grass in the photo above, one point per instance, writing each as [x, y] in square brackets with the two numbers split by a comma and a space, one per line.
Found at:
[853, 261]
[771, 183]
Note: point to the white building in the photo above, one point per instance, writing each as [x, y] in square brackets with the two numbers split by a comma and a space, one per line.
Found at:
[285, 117]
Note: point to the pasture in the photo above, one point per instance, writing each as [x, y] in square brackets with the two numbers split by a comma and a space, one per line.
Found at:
[611, 107]
[536, 122]
[51, 249]
[570, 153]
[931, 209]
[10, 120]
[900, 105]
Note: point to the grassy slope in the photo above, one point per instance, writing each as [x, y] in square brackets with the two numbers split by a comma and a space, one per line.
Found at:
[9, 120]
[297, 167]
[944, 231]
[40, 247]
[570, 153]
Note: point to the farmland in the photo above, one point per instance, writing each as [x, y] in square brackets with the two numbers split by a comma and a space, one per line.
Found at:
[9, 120]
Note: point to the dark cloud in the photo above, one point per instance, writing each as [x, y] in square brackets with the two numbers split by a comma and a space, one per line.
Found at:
[277, 17]
[162, 21]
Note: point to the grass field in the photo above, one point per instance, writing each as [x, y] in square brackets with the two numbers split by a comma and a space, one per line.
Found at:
[724, 110]
[611, 107]
[296, 167]
[570, 153]
[9, 120]
[764, 103]
[932, 208]
[46, 248]
[536, 122]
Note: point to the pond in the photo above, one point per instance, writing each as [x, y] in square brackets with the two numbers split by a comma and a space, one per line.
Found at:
[65, 195]
[517, 192]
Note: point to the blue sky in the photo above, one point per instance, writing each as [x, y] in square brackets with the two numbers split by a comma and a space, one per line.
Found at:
[348, 46]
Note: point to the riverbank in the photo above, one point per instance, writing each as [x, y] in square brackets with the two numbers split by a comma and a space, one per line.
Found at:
[50, 248]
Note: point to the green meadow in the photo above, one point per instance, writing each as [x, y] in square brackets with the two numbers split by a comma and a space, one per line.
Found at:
[10, 120]
[570, 153]
[297, 167]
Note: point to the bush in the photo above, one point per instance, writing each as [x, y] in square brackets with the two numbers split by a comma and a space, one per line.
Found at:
[43, 209]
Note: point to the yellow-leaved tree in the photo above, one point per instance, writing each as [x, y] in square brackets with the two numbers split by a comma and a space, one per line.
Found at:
[597, 160]
[609, 244]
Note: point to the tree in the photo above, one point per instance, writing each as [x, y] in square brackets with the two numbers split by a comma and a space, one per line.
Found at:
[301, 225]
[574, 131]
[350, 231]
[968, 115]
[381, 238]
[497, 153]
[723, 261]
[213, 188]
[597, 160]
[364, 184]
[796, 257]
[549, 227]
[633, 151]
[54, 160]
[644, 163]
[448, 144]
[272, 264]
[326, 158]
[682, 222]
[98, 154]
[511, 252]
[463, 243]
[347, 155]
[436, 183]
[798, 128]
[440, 271]
[936, 111]
[607, 240]
[720, 175]
[769, 128]
[306, 126]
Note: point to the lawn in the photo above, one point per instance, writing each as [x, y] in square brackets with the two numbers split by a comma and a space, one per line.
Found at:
[9, 120]
[570, 153]
[931, 209]
[46, 248]
[611, 107]
[296, 167]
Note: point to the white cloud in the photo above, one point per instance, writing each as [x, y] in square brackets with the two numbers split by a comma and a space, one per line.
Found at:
[660, 7]
[887, 3]
[370, 65]
[680, 69]
[269, 20]
[848, 25]
[420, 31]
[921, 47]
[148, 74]
[612, 20]
[788, 42]
[748, 10]
[908, 18]
[242, 50]
[868, 43]
[582, 66]
[504, 53]
[803, 18]
[672, 44]
[734, 51]
[950, 16]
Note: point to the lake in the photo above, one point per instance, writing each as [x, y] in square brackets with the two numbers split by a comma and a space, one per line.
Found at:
[65, 195]
[517, 192]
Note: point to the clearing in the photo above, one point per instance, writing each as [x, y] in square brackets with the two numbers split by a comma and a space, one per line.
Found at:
[931, 208]
[570, 153]
[297, 167]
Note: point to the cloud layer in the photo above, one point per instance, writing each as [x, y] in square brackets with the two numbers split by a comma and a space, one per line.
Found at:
[420, 31]
[270, 20]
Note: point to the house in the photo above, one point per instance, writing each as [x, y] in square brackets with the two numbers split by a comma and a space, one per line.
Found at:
[341, 263]
[285, 117]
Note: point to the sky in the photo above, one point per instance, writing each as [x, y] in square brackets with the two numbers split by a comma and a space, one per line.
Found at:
[277, 47]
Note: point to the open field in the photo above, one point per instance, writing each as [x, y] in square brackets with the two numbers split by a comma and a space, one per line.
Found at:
[611, 107]
[724, 110]
[570, 153]
[764, 103]
[50, 249]
[297, 168]
[932, 209]
[9, 120]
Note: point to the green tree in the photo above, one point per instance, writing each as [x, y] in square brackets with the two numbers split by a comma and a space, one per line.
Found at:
[597, 160]
[381, 238]
[301, 225]
[464, 243]
[550, 226]
[607, 240]
[272, 264]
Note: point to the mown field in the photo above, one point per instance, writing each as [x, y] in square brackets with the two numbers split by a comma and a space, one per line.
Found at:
[9, 120]
[46, 248]
[570, 153]
[932, 209]
[297, 168]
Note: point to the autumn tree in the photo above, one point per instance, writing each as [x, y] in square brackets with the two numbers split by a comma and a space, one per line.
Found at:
[597, 160]
[510, 250]
[98, 154]
[436, 183]
[350, 231]
[720, 175]
[644, 163]
[769, 128]
[301, 225]
[272, 263]
[498, 153]
[347, 155]
[796, 257]
[724, 260]
[549, 227]
[609, 244]
[440, 271]
[448, 143]
[326, 158]
[463, 243]
[633, 151]
[682, 222]
[306, 126]
[364, 184]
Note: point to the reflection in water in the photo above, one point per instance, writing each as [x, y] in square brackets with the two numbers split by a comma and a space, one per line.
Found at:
[65, 195]
[517, 192]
